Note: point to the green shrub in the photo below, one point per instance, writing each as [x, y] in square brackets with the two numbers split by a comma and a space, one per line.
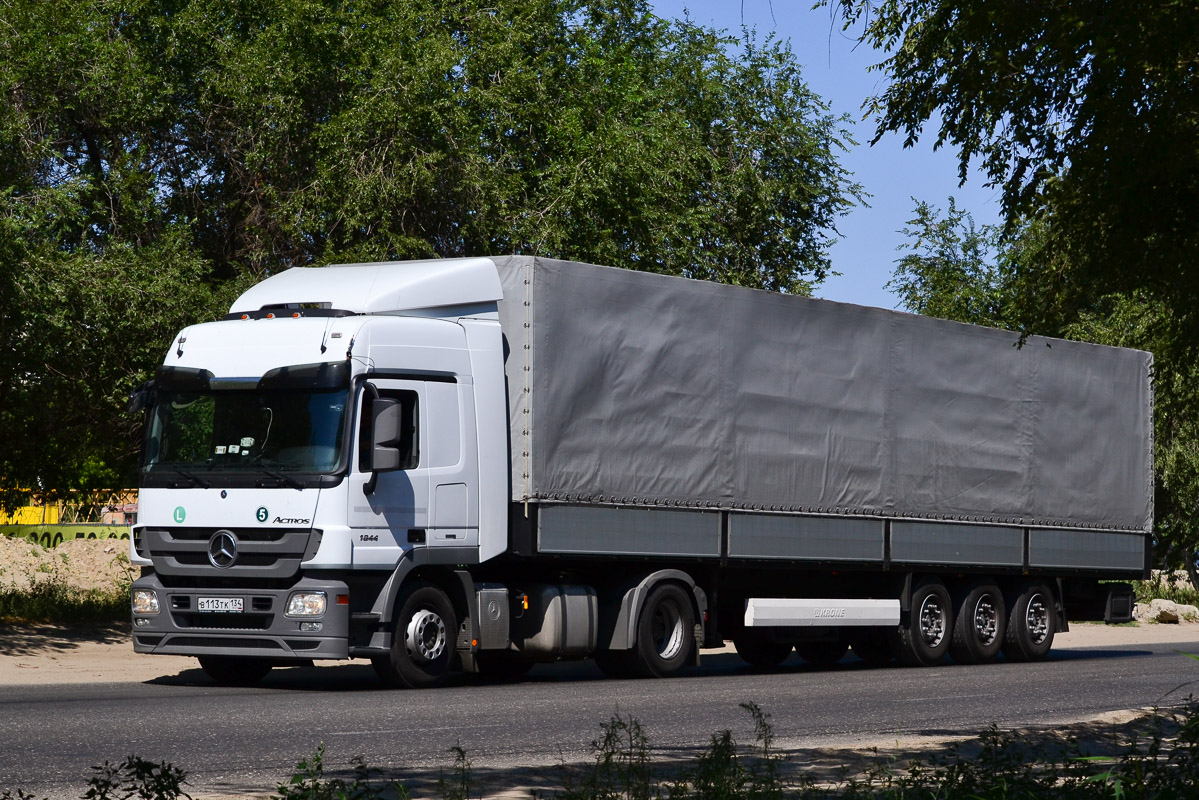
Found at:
[1166, 588]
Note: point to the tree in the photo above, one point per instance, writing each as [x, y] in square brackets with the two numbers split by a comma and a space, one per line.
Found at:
[959, 272]
[1086, 113]
[160, 154]
[953, 270]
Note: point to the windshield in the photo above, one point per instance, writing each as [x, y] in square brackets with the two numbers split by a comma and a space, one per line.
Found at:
[246, 431]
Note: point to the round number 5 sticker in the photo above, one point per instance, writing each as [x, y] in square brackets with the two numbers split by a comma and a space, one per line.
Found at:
[262, 513]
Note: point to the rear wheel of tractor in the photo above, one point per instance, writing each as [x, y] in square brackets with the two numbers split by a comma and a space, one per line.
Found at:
[1031, 624]
[758, 652]
[234, 671]
[924, 640]
[822, 654]
[981, 621]
[665, 632]
[422, 643]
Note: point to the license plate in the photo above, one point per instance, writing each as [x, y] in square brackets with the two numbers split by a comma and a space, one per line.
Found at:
[220, 605]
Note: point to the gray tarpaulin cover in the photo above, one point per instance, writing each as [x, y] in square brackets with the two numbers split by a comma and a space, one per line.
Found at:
[646, 389]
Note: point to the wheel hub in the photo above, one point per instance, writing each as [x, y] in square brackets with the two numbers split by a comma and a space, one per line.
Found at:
[668, 631]
[932, 621]
[425, 636]
[986, 621]
[1036, 619]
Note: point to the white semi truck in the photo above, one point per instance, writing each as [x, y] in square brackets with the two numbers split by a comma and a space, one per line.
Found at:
[482, 464]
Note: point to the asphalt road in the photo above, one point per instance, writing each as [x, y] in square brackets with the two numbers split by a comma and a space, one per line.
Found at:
[237, 739]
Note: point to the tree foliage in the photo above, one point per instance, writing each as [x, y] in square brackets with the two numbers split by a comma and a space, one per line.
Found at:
[157, 155]
[1086, 112]
[960, 271]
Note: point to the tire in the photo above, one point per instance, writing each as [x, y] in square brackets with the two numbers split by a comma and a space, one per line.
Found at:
[980, 626]
[924, 640]
[757, 652]
[665, 632]
[822, 654]
[234, 671]
[501, 666]
[1031, 624]
[422, 642]
[872, 646]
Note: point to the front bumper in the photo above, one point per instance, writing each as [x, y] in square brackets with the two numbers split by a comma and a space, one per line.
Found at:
[260, 631]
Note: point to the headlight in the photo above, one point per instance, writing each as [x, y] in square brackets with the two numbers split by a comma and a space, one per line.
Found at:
[145, 601]
[306, 604]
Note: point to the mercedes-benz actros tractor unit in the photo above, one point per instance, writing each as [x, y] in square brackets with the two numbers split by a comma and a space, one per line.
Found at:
[482, 464]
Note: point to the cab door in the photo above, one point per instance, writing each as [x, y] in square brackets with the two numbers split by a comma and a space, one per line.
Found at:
[396, 513]
[453, 465]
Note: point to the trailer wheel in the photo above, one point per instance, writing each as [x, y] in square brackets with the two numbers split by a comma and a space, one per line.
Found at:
[924, 640]
[757, 652]
[822, 654]
[234, 671]
[1032, 623]
[422, 643]
[872, 646]
[981, 623]
[665, 632]
[502, 666]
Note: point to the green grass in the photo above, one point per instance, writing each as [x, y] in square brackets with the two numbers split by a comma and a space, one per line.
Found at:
[52, 601]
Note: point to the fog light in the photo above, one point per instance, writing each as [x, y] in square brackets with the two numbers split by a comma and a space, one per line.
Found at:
[311, 627]
[306, 604]
[141, 622]
[145, 601]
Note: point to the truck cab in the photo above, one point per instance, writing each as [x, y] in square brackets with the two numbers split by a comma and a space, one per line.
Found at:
[298, 452]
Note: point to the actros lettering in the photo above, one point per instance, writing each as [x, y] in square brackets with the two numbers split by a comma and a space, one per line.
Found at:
[291, 521]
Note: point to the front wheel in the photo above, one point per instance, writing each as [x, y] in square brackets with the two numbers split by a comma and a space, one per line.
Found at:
[422, 643]
[234, 671]
[665, 632]
[1031, 625]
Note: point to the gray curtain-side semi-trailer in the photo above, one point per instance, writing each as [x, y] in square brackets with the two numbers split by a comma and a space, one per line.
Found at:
[776, 445]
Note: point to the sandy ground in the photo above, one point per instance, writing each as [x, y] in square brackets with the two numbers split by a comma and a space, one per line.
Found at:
[48, 654]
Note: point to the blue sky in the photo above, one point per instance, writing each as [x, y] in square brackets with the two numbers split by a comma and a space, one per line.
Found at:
[835, 68]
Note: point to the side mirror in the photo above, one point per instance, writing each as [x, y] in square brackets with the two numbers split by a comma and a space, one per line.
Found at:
[140, 398]
[386, 432]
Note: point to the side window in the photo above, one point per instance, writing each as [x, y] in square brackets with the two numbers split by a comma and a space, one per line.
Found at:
[409, 436]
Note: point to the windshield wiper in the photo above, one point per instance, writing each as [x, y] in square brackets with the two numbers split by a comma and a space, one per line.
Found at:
[295, 483]
[193, 478]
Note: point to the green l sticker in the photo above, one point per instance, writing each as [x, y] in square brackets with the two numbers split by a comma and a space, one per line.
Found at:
[180, 515]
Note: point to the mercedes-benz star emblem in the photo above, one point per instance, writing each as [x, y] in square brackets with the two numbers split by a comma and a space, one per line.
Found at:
[222, 549]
